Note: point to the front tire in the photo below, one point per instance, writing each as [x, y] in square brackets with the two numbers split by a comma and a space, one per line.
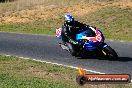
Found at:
[110, 53]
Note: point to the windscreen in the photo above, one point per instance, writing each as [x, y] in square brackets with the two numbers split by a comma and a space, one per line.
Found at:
[90, 32]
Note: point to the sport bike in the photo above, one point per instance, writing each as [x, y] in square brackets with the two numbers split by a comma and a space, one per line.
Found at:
[88, 42]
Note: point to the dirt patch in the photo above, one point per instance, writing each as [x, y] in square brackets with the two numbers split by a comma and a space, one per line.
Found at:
[122, 3]
[46, 13]
[53, 12]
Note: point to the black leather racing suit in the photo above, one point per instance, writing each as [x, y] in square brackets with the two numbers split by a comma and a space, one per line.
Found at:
[69, 31]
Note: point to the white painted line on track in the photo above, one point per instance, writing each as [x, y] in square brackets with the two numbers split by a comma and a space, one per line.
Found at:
[57, 64]
[8, 55]
[96, 72]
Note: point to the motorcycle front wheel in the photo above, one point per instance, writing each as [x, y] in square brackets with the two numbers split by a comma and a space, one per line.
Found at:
[110, 53]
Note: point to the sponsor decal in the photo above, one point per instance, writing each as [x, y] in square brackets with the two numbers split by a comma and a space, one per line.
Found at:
[58, 32]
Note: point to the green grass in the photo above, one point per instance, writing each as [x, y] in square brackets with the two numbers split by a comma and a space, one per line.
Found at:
[9, 81]
[26, 28]
[15, 72]
[20, 73]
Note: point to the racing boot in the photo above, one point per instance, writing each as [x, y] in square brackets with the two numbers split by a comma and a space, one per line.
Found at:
[63, 46]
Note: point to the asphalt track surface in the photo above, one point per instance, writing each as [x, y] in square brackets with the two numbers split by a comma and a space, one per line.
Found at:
[46, 48]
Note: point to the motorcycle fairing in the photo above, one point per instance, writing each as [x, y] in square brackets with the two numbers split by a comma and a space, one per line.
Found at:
[58, 33]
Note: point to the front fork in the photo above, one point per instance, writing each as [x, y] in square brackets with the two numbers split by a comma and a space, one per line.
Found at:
[104, 46]
[101, 49]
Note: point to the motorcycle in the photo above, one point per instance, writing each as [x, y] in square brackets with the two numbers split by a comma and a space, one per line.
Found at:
[89, 43]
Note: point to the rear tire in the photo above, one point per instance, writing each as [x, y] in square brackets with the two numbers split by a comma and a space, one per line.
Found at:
[72, 49]
[110, 53]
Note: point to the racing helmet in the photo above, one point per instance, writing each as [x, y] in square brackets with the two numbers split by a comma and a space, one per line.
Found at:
[69, 19]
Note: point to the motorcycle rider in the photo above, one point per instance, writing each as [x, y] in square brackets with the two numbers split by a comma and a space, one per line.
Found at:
[71, 27]
[87, 35]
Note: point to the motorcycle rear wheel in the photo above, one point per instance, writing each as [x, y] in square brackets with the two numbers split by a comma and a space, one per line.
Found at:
[71, 49]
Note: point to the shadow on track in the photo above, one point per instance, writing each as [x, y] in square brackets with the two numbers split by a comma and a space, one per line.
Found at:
[121, 59]
[124, 59]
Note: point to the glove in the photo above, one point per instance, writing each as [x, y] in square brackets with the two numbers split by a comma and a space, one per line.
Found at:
[79, 44]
